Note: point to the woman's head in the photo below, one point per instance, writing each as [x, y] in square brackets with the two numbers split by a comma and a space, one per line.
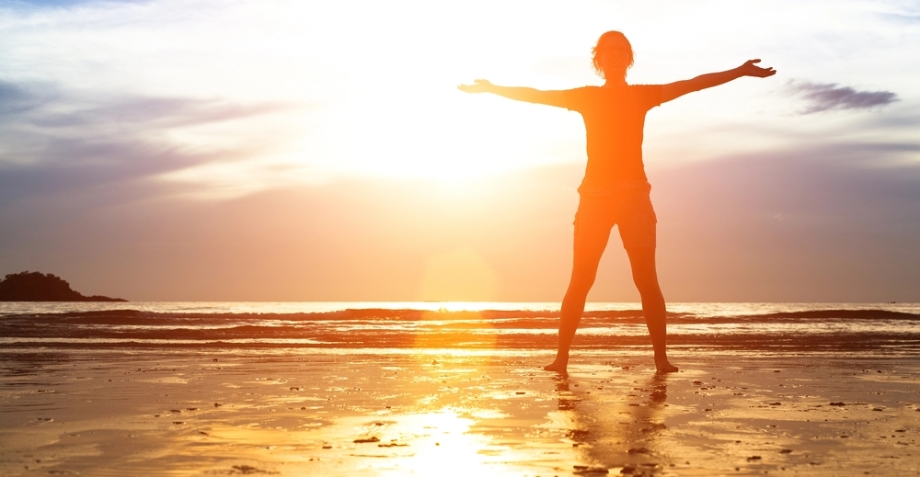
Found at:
[613, 55]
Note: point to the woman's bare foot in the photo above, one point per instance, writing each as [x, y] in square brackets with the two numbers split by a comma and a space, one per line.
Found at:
[665, 367]
[558, 366]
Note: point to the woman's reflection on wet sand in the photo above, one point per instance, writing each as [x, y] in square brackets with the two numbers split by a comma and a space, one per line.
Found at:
[611, 432]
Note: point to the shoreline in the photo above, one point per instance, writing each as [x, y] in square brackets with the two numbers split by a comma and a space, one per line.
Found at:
[141, 411]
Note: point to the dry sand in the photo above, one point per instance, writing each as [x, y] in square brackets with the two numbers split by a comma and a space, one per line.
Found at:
[255, 413]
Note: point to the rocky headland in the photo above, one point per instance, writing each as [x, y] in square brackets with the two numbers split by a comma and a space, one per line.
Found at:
[37, 286]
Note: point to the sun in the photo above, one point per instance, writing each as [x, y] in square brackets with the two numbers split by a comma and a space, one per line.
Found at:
[429, 133]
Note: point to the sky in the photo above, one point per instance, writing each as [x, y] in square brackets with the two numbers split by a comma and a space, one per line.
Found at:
[320, 151]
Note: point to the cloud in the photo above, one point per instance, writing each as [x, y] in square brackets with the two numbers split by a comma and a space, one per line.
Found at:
[162, 112]
[47, 106]
[61, 3]
[836, 222]
[16, 99]
[828, 96]
[59, 143]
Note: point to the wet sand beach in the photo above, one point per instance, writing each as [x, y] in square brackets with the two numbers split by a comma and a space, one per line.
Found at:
[448, 412]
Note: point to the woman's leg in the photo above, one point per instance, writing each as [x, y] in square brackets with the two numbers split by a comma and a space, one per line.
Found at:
[645, 275]
[584, 270]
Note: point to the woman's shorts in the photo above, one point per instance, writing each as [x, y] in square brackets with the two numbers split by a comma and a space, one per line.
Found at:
[628, 206]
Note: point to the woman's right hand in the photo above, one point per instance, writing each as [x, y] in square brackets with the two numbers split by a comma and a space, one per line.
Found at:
[478, 86]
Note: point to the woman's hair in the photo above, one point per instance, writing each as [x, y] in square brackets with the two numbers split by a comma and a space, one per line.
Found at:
[611, 40]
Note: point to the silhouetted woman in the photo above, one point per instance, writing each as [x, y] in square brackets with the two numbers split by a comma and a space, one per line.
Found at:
[615, 190]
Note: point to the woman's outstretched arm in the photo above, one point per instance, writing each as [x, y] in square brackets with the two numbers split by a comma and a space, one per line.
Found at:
[680, 88]
[518, 93]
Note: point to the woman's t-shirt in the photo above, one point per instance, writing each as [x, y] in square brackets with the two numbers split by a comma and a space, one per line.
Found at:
[614, 119]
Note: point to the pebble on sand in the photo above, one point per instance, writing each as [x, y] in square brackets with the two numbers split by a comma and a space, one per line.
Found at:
[248, 469]
[584, 469]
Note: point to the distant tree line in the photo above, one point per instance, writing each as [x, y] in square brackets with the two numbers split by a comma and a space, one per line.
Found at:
[37, 286]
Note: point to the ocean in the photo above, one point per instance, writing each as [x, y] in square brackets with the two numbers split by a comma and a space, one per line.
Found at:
[393, 389]
[500, 328]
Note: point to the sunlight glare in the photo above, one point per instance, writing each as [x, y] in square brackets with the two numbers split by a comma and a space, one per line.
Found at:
[459, 273]
[440, 134]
